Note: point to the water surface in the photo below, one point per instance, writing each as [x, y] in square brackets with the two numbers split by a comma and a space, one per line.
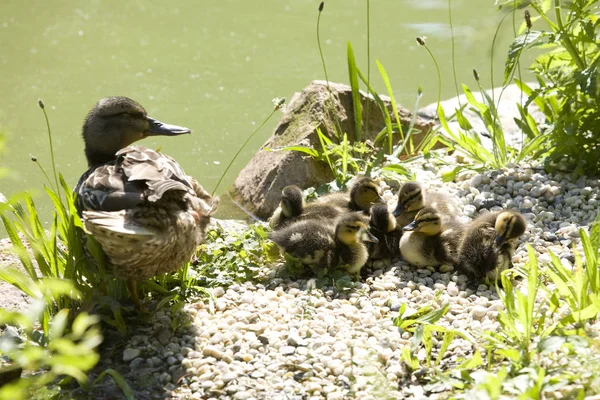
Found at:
[211, 66]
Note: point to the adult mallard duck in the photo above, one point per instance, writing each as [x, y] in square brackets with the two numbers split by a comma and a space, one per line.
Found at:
[319, 243]
[427, 241]
[412, 198]
[146, 213]
[489, 242]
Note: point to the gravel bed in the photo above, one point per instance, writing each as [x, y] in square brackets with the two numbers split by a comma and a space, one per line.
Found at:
[285, 339]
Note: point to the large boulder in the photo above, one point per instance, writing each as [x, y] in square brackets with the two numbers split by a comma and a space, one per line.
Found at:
[258, 186]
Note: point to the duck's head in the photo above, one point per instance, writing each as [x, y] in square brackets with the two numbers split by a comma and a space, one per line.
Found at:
[427, 221]
[410, 198]
[509, 225]
[381, 218]
[292, 201]
[117, 122]
[353, 229]
[365, 193]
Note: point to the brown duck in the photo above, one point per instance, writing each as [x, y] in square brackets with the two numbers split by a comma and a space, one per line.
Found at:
[146, 213]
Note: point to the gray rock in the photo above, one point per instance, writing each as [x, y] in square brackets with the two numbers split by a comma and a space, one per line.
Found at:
[129, 354]
[259, 184]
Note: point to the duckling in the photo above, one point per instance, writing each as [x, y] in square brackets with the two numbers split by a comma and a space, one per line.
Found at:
[146, 213]
[320, 244]
[427, 241]
[293, 208]
[412, 198]
[290, 207]
[383, 227]
[363, 194]
[489, 242]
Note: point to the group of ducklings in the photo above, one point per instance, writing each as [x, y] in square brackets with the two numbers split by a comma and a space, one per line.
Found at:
[425, 229]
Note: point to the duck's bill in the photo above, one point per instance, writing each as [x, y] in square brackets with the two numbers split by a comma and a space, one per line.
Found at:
[500, 240]
[160, 128]
[398, 210]
[369, 237]
[410, 227]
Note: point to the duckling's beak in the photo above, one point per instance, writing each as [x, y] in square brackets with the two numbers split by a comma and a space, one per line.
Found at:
[500, 239]
[398, 210]
[160, 128]
[411, 227]
[368, 237]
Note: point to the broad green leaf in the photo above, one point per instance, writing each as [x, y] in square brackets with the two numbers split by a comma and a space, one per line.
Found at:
[353, 74]
[514, 52]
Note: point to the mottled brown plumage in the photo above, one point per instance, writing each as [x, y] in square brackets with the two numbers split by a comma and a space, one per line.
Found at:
[146, 213]
[488, 244]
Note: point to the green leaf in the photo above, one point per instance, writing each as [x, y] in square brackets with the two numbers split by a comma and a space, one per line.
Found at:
[120, 381]
[514, 52]
[357, 106]
[303, 149]
[388, 86]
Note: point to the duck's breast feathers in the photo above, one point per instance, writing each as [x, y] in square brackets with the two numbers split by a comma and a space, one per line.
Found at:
[138, 174]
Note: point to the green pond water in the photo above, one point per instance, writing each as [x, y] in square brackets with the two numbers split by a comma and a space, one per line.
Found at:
[213, 66]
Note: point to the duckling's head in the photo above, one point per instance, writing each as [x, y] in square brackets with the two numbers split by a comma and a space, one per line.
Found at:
[427, 221]
[381, 218]
[352, 229]
[410, 198]
[509, 225]
[365, 193]
[117, 122]
[292, 201]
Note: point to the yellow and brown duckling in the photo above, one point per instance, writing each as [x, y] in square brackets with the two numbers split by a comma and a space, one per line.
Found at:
[320, 244]
[412, 198]
[363, 194]
[489, 242]
[428, 241]
[292, 207]
[146, 213]
[383, 227]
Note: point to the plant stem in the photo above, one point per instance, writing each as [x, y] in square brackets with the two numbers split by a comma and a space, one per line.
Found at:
[320, 49]
[453, 60]
[43, 171]
[368, 62]
[51, 151]
[244, 145]
[439, 75]
[566, 39]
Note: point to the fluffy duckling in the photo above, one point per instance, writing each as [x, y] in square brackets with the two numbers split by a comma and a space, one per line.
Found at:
[489, 242]
[290, 207]
[363, 194]
[146, 213]
[293, 208]
[383, 227]
[319, 244]
[427, 241]
[412, 198]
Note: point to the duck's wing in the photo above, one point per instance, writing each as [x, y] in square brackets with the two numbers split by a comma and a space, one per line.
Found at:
[138, 174]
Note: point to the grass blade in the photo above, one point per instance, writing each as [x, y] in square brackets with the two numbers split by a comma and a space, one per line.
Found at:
[353, 74]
